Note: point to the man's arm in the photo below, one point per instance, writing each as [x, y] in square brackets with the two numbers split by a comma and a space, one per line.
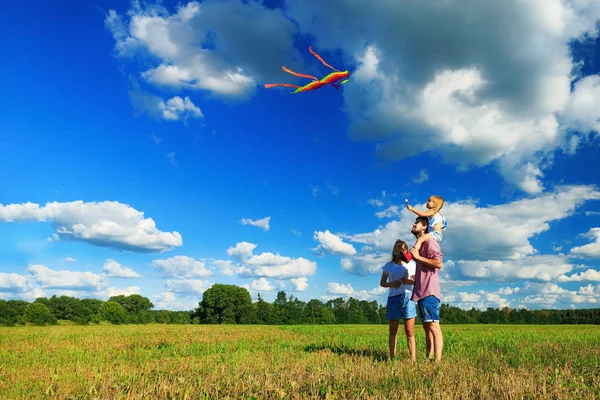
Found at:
[433, 259]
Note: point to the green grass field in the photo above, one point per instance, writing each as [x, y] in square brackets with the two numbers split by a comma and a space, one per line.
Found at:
[300, 362]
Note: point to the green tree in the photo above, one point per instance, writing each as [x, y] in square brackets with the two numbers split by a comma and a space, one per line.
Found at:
[133, 303]
[226, 304]
[266, 313]
[113, 312]
[39, 314]
[12, 311]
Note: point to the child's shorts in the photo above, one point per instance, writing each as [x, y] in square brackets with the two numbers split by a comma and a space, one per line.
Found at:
[400, 307]
[437, 235]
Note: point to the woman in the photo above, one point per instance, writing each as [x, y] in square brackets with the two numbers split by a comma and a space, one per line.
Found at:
[398, 275]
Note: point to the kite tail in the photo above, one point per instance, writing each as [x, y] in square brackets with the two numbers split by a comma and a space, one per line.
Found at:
[320, 59]
[289, 71]
[270, 85]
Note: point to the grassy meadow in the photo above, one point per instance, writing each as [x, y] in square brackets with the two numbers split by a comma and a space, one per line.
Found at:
[297, 362]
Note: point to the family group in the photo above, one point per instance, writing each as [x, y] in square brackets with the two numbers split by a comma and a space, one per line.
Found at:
[412, 279]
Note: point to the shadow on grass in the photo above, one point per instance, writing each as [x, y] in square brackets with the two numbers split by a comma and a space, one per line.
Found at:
[377, 355]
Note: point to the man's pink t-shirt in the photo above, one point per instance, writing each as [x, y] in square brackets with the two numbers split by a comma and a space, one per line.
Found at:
[426, 277]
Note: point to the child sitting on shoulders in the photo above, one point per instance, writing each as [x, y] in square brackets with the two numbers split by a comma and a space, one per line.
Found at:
[437, 222]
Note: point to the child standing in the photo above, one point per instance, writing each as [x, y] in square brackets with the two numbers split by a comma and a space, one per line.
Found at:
[437, 222]
[398, 275]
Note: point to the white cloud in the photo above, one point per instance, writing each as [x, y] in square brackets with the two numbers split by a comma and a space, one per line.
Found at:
[275, 266]
[494, 232]
[226, 267]
[116, 270]
[182, 267]
[70, 260]
[364, 264]
[542, 268]
[171, 157]
[333, 244]
[11, 282]
[480, 300]
[296, 232]
[127, 291]
[591, 250]
[339, 288]
[174, 109]
[589, 275]
[241, 251]
[476, 95]
[260, 223]
[506, 291]
[550, 295]
[267, 265]
[246, 43]
[391, 211]
[48, 278]
[299, 284]
[334, 189]
[346, 290]
[101, 223]
[169, 301]
[262, 285]
[188, 286]
[379, 202]
[583, 112]
[421, 177]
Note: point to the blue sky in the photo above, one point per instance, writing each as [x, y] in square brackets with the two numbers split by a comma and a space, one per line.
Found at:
[142, 154]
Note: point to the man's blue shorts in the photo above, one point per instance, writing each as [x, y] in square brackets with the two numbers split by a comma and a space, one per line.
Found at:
[429, 309]
[400, 307]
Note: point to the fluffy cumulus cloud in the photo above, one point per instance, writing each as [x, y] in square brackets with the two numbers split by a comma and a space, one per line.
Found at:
[335, 289]
[442, 77]
[265, 265]
[489, 244]
[299, 284]
[48, 278]
[445, 77]
[262, 285]
[333, 244]
[182, 267]
[116, 270]
[541, 268]
[219, 47]
[187, 286]
[591, 250]
[174, 109]
[364, 263]
[589, 275]
[551, 295]
[174, 301]
[43, 281]
[11, 282]
[492, 232]
[105, 223]
[480, 299]
[262, 223]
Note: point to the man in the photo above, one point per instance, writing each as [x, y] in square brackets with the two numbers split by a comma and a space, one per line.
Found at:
[426, 291]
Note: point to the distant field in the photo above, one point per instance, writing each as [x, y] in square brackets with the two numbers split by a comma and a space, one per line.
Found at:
[341, 361]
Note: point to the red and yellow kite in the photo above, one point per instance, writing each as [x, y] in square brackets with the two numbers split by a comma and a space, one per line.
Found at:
[331, 79]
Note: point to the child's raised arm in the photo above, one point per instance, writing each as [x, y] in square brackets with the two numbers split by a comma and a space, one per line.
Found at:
[428, 213]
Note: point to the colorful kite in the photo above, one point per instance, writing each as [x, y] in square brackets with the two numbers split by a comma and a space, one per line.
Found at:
[331, 79]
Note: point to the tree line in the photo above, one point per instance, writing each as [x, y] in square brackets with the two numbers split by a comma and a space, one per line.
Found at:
[231, 304]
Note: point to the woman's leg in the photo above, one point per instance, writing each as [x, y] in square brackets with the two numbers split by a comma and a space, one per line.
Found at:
[393, 336]
[409, 330]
